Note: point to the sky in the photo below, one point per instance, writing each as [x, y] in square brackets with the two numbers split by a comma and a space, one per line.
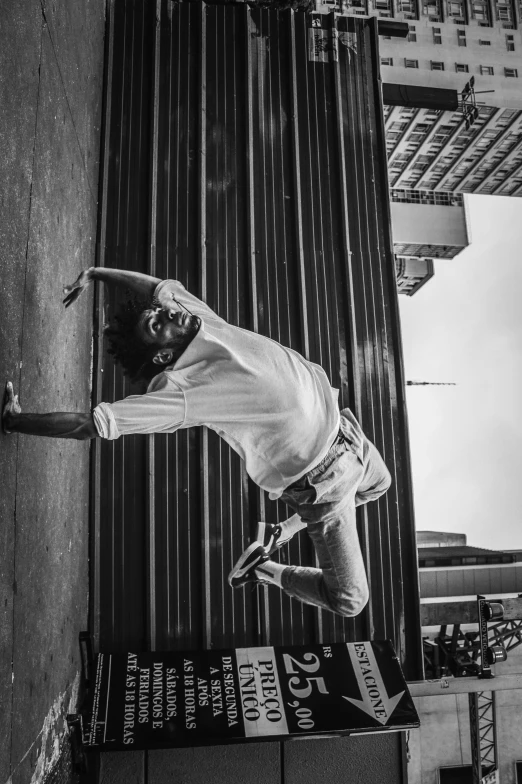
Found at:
[465, 326]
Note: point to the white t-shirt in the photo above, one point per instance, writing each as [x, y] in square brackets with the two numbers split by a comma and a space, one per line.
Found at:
[275, 409]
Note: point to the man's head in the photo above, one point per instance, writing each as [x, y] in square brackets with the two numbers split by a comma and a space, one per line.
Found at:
[167, 333]
[144, 339]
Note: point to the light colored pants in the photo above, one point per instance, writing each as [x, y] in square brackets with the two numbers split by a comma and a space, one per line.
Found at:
[352, 473]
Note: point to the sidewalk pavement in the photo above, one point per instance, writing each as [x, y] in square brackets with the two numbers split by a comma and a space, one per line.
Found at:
[51, 69]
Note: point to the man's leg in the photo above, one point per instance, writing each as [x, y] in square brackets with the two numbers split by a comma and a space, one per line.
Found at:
[340, 583]
[55, 425]
[376, 480]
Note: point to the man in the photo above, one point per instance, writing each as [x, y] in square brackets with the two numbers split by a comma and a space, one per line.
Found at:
[273, 407]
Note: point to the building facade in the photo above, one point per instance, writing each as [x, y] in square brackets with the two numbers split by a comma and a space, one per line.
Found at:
[440, 751]
[449, 43]
[426, 225]
[475, 48]
[412, 273]
[431, 150]
[460, 570]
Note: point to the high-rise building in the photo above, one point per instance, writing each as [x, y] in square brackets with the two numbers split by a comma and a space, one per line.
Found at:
[476, 148]
[431, 150]
[475, 48]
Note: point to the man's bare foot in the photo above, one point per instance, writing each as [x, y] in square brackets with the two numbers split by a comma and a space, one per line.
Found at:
[11, 406]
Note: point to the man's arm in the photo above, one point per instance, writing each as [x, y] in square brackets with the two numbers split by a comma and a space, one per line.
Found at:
[142, 285]
[56, 425]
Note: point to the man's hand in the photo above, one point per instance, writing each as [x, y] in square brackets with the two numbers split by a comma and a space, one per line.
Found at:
[11, 406]
[167, 303]
[83, 280]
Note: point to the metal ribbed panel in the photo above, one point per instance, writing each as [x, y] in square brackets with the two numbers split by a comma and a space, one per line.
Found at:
[122, 499]
[264, 180]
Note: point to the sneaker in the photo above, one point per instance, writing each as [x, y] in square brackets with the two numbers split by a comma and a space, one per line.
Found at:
[243, 571]
[271, 537]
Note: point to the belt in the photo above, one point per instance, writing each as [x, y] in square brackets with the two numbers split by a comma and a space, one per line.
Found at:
[340, 438]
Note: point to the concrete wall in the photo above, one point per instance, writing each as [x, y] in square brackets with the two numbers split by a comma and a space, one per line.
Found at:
[364, 759]
[444, 736]
[429, 224]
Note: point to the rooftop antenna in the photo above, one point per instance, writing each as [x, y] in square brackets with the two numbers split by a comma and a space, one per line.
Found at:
[431, 383]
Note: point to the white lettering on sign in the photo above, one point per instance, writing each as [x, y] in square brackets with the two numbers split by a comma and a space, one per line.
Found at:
[129, 708]
[229, 691]
[260, 692]
[143, 696]
[374, 697]
[216, 696]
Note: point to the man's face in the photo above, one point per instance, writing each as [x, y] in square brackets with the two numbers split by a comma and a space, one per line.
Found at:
[161, 328]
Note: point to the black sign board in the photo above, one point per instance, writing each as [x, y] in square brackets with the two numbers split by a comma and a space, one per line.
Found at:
[180, 698]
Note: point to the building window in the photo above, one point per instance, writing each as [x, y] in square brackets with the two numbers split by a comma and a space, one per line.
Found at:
[408, 7]
[461, 774]
[438, 66]
[510, 43]
[461, 68]
[386, 60]
[504, 13]
[432, 11]
[487, 70]
[481, 12]
[412, 35]
[454, 9]
[437, 37]
[484, 43]
[411, 63]
[513, 72]
[398, 126]
[461, 37]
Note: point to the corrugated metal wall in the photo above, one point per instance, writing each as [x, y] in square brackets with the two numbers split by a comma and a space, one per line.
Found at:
[258, 179]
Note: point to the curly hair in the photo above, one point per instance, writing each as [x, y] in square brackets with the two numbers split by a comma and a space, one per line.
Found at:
[128, 350]
[125, 346]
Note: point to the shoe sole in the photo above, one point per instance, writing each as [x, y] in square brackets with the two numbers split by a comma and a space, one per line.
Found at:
[241, 567]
